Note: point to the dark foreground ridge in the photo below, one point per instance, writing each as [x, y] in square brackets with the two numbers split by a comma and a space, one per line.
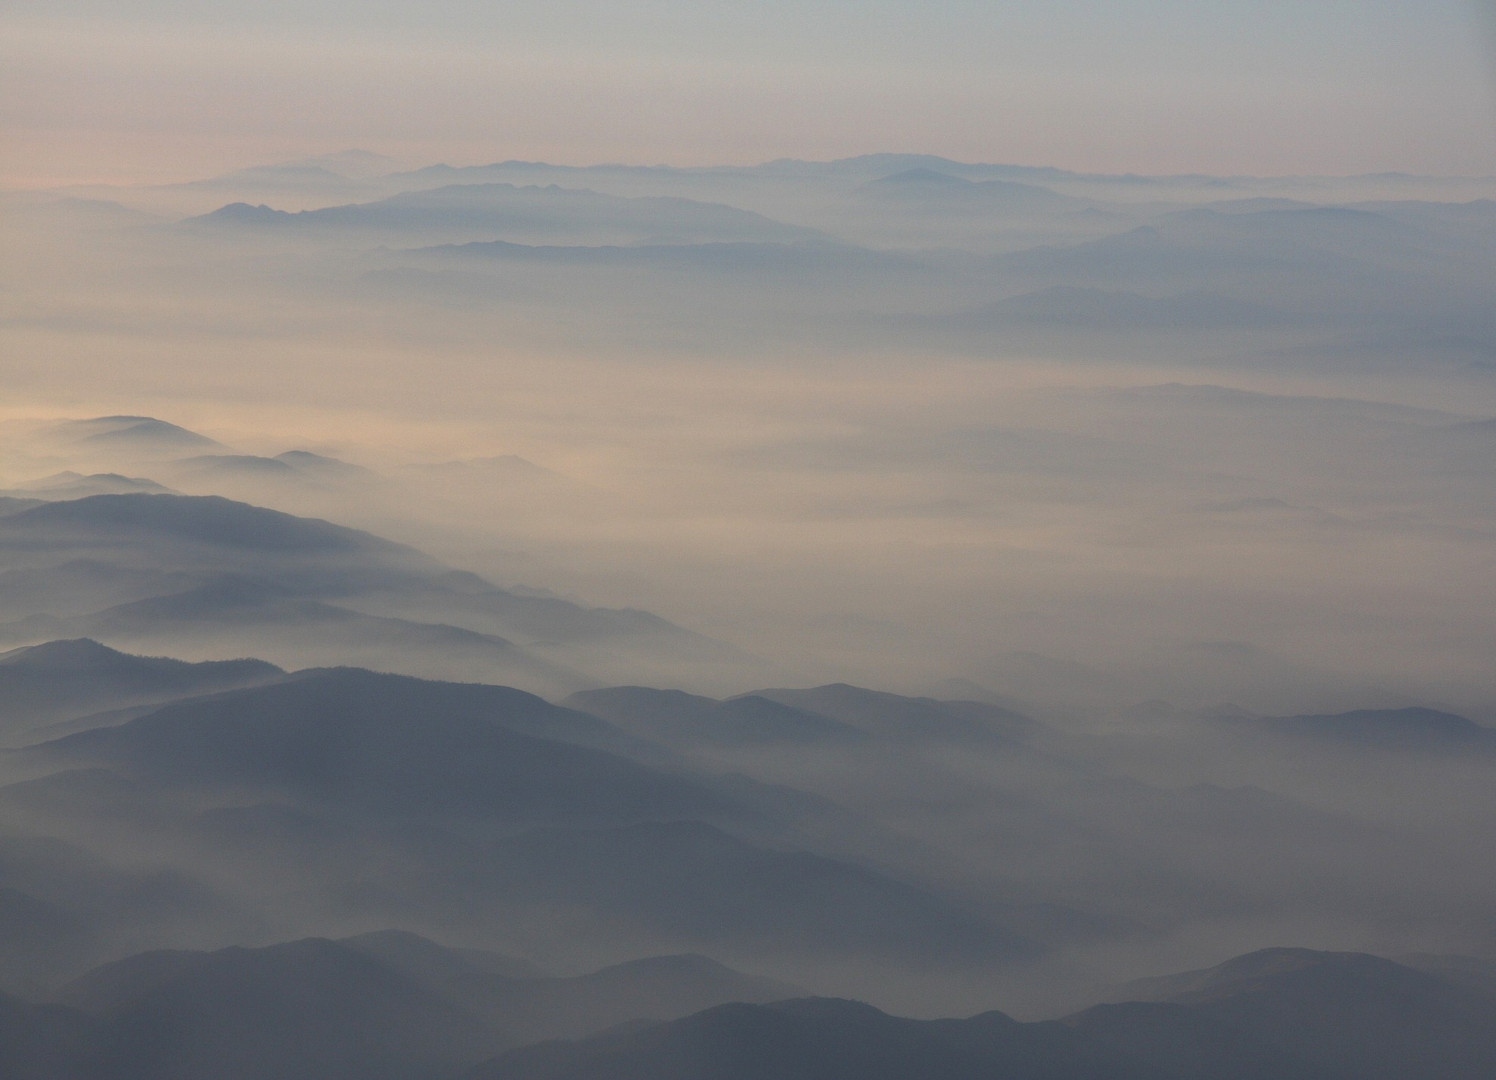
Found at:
[1284, 1014]
[382, 1006]
[399, 1007]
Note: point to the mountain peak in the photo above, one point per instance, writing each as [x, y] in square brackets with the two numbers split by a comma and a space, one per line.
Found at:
[1413, 728]
[208, 519]
[145, 432]
[1281, 960]
[71, 653]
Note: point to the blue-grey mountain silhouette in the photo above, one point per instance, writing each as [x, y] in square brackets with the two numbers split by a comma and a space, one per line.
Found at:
[1312, 1017]
[1411, 728]
[62, 679]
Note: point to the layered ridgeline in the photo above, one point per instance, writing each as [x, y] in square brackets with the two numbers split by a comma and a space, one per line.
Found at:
[791, 832]
[1423, 730]
[209, 577]
[394, 1007]
[197, 851]
[1276, 1015]
[390, 1005]
[922, 251]
[523, 213]
[45, 686]
[337, 797]
[142, 840]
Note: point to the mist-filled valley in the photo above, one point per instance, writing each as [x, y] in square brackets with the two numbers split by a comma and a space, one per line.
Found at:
[553, 622]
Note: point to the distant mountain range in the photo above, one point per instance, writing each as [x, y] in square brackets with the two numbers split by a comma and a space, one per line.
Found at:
[967, 256]
[524, 213]
[164, 572]
[1410, 729]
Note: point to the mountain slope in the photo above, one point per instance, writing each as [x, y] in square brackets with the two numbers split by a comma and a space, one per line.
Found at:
[45, 1042]
[131, 435]
[240, 613]
[207, 576]
[388, 744]
[813, 1039]
[1340, 1014]
[59, 679]
[306, 1010]
[316, 1007]
[678, 718]
[655, 988]
[207, 520]
[893, 716]
[688, 884]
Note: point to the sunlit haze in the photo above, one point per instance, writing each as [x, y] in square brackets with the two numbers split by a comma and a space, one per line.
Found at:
[110, 92]
[705, 541]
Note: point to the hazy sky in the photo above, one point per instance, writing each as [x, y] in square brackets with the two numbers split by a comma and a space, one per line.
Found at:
[165, 89]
